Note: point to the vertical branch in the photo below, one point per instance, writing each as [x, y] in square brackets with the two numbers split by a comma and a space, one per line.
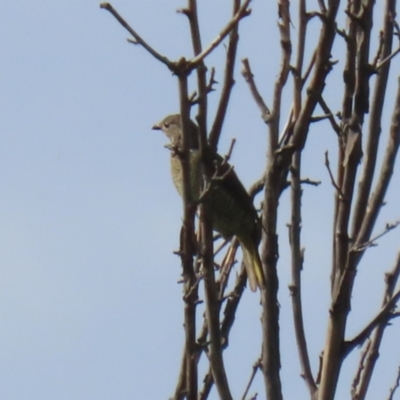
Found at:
[342, 203]
[188, 247]
[322, 67]
[286, 45]
[211, 293]
[373, 346]
[355, 105]
[201, 71]
[295, 226]
[297, 266]
[363, 71]
[212, 306]
[349, 158]
[374, 131]
[180, 389]
[349, 72]
[377, 199]
[271, 362]
[228, 82]
[396, 386]
[348, 267]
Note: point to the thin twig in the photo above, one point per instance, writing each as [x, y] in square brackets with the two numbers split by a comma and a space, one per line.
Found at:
[396, 385]
[375, 122]
[391, 279]
[389, 227]
[195, 98]
[377, 199]
[249, 78]
[256, 366]
[334, 184]
[379, 51]
[242, 12]
[319, 118]
[360, 369]
[297, 259]
[387, 59]
[297, 253]
[309, 69]
[229, 153]
[383, 316]
[308, 181]
[201, 69]
[138, 38]
[227, 83]
[329, 113]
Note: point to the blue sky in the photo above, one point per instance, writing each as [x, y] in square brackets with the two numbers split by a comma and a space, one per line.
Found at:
[90, 307]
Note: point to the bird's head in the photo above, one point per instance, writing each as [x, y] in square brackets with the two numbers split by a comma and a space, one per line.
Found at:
[172, 127]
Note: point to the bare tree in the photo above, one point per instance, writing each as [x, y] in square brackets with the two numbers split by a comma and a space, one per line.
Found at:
[357, 127]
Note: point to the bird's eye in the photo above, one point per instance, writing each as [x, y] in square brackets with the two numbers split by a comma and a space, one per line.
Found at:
[166, 125]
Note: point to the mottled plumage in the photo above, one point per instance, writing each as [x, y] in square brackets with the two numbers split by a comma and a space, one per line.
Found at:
[233, 213]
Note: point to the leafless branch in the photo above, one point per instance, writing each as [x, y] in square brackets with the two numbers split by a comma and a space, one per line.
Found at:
[195, 98]
[275, 179]
[249, 78]
[330, 116]
[212, 312]
[227, 83]
[309, 69]
[188, 248]
[396, 385]
[241, 13]
[295, 227]
[230, 309]
[334, 184]
[391, 280]
[318, 118]
[297, 266]
[138, 38]
[208, 382]
[358, 374]
[297, 253]
[229, 153]
[322, 6]
[382, 317]
[232, 300]
[308, 181]
[387, 59]
[332, 360]
[377, 199]
[180, 390]
[379, 51]
[374, 131]
[191, 13]
[372, 242]
[256, 366]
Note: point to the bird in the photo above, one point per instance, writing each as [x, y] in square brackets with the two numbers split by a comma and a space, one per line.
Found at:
[233, 212]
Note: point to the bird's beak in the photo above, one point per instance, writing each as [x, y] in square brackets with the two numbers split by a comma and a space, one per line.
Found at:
[156, 127]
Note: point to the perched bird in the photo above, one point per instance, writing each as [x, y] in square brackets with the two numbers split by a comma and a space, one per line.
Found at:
[233, 212]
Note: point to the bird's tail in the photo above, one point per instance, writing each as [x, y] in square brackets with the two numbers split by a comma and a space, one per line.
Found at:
[253, 265]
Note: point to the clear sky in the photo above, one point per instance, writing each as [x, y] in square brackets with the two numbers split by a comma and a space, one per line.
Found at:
[90, 308]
